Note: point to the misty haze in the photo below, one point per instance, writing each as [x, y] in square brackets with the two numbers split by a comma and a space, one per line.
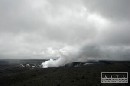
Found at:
[63, 42]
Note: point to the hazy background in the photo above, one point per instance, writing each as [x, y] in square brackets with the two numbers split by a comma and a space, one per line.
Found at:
[70, 29]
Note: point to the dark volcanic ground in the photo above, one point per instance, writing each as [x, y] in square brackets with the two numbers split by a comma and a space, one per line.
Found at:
[11, 74]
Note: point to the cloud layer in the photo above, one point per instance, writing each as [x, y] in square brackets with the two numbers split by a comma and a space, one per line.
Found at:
[81, 28]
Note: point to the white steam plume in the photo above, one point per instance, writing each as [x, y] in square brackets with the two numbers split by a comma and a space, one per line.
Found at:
[65, 55]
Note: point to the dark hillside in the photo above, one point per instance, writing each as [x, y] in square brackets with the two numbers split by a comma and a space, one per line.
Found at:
[88, 75]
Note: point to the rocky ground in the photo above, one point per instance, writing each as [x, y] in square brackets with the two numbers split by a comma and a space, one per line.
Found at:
[72, 75]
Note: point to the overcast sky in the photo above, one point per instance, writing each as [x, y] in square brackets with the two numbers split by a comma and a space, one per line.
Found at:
[42, 28]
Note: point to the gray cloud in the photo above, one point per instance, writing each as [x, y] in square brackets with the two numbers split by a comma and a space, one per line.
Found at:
[105, 52]
[117, 9]
[30, 28]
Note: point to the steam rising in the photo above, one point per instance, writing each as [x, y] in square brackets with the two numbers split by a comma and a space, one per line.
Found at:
[65, 55]
[54, 63]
